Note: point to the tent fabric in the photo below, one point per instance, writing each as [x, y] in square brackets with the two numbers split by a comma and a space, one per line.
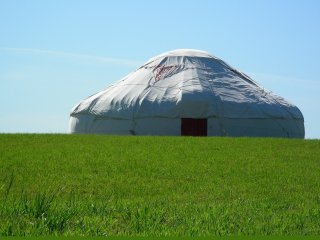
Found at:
[187, 84]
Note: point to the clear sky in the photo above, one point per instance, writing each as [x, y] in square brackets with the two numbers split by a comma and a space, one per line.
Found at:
[55, 53]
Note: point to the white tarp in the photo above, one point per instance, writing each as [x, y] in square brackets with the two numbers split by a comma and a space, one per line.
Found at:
[186, 84]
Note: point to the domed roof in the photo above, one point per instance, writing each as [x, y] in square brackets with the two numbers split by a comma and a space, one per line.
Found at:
[186, 83]
[183, 52]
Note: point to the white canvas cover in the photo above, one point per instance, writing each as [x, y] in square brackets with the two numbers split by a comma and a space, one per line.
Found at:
[187, 84]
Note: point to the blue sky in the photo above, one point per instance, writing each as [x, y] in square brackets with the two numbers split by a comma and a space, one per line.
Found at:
[55, 53]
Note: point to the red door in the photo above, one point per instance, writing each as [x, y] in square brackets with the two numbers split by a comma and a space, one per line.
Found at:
[193, 127]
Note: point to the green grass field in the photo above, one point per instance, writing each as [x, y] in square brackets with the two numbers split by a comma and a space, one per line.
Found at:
[158, 186]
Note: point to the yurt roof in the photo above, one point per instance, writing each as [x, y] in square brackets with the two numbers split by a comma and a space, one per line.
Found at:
[186, 83]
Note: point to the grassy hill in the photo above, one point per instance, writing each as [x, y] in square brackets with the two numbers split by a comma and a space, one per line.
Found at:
[106, 185]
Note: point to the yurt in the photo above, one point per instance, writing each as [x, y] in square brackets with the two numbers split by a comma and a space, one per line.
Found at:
[187, 93]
